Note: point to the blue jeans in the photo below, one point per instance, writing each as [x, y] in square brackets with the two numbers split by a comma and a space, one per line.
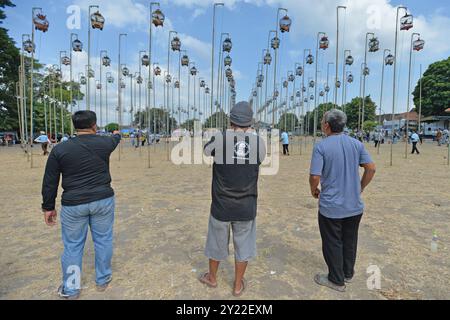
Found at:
[99, 216]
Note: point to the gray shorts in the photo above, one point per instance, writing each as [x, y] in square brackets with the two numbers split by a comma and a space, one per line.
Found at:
[218, 240]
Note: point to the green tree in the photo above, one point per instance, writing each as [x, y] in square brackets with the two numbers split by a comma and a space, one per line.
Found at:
[435, 89]
[287, 122]
[158, 120]
[352, 109]
[216, 119]
[9, 75]
[110, 127]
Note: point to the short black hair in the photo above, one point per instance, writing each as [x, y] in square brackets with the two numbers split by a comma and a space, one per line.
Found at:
[84, 119]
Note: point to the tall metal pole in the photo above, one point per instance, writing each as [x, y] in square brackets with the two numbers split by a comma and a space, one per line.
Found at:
[395, 77]
[409, 94]
[315, 88]
[275, 65]
[364, 80]
[119, 83]
[337, 53]
[71, 79]
[88, 94]
[381, 89]
[344, 76]
[61, 94]
[212, 58]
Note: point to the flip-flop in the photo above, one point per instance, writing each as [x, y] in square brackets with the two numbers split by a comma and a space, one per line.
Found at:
[204, 279]
[244, 285]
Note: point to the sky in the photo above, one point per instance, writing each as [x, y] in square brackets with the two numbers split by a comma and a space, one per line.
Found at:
[248, 22]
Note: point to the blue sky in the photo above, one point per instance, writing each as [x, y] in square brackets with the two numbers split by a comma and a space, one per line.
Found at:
[248, 22]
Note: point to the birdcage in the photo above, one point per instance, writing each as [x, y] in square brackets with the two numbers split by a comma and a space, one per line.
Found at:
[406, 22]
[193, 71]
[125, 71]
[349, 60]
[206, 90]
[40, 22]
[304, 89]
[260, 78]
[418, 44]
[276, 93]
[324, 42]
[157, 71]
[177, 84]
[175, 44]
[275, 43]
[110, 79]
[106, 61]
[83, 80]
[298, 94]
[299, 71]
[389, 60]
[97, 20]
[77, 45]
[366, 71]
[291, 78]
[145, 60]
[305, 100]
[267, 58]
[374, 45]
[228, 72]
[65, 61]
[202, 84]
[254, 93]
[185, 60]
[310, 59]
[168, 78]
[350, 78]
[227, 45]
[311, 84]
[321, 93]
[28, 46]
[285, 24]
[139, 80]
[338, 84]
[91, 73]
[98, 86]
[327, 88]
[311, 97]
[158, 18]
[227, 61]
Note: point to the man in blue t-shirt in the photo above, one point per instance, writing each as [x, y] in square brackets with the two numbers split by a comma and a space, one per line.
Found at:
[285, 142]
[335, 166]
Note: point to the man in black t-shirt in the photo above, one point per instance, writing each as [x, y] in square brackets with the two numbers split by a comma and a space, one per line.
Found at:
[87, 201]
[237, 154]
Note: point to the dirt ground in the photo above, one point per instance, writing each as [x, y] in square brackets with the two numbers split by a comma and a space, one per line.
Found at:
[161, 224]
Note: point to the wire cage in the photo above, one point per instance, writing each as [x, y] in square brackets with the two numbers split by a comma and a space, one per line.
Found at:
[418, 44]
[145, 60]
[65, 61]
[168, 78]
[285, 24]
[227, 45]
[389, 60]
[227, 61]
[40, 21]
[157, 71]
[311, 84]
[324, 42]
[275, 43]
[338, 84]
[228, 73]
[106, 61]
[350, 78]
[125, 71]
[267, 58]
[374, 45]
[97, 20]
[83, 80]
[28, 46]
[139, 80]
[299, 71]
[291, 78]
[193, 71]
[110, 79]
[158, 18]
[176, 44]
[366, 71]
[327, 88]
[406, 22]
[349, 60]
[77, 45]
[91, 73]
[310, 59]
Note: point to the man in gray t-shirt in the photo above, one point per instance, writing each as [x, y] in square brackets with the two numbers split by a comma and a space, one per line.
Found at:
[335, 166]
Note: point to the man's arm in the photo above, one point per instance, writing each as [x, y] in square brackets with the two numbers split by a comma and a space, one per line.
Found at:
[116, 139]
[50, 188]
[314, 182]
[369, 172]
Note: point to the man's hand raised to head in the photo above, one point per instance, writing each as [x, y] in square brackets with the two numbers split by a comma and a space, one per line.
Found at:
[50, 218]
